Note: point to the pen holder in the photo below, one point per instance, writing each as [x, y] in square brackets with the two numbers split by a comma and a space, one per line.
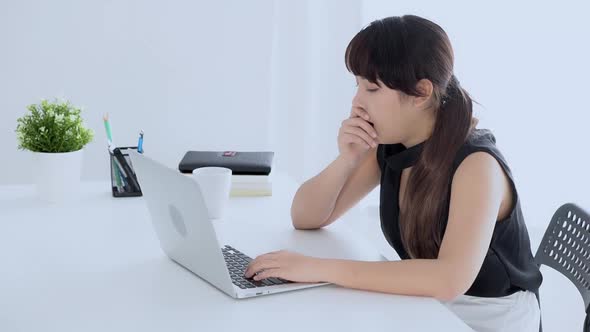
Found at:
[123, 179]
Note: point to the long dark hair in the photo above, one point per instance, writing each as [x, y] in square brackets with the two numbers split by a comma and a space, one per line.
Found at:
[400, 51]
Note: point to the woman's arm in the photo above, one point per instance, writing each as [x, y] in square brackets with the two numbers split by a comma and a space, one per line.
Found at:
[327, 196]
[477, 190]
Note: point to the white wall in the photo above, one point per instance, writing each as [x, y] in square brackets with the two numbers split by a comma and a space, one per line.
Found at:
[312, 90]
[191, 74]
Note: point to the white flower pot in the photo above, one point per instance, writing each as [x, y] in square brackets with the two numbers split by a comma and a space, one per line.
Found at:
[57, 175]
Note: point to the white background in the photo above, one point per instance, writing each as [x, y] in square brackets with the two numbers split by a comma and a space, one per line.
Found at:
[270, 75]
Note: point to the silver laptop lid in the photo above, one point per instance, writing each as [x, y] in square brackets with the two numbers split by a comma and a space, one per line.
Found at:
[181, 222]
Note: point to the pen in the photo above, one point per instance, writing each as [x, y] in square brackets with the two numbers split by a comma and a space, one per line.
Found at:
[107, 127]
[117, 173]
[140, 142]
[126, 185]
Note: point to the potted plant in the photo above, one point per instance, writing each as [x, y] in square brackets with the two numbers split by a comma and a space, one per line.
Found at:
[55, 134]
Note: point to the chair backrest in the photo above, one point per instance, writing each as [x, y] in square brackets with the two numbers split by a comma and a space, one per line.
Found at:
[566, 247]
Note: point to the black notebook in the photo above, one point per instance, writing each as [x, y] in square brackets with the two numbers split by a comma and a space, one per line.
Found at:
[240, 162]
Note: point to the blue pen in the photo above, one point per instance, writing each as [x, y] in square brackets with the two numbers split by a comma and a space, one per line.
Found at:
[140, 142]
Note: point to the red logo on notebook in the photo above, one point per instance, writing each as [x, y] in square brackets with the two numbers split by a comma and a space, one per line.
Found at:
[229, 153]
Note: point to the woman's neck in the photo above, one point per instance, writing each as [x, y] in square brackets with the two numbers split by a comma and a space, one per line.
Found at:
[421, 133]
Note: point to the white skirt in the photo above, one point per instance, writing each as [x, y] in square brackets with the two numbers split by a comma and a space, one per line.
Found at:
[517, 312]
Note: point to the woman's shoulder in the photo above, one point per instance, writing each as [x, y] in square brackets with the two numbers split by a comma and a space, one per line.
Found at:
[479, 140]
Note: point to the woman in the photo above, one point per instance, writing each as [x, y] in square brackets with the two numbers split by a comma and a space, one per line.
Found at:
[448, 206]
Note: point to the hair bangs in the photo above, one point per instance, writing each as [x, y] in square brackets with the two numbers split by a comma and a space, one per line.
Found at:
[359, 56]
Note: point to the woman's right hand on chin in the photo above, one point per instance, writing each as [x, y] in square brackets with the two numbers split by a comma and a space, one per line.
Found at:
[356, 136]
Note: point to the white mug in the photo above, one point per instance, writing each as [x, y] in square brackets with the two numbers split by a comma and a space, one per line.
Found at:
[215, 185]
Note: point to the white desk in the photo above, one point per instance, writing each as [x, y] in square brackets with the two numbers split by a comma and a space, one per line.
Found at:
[97, 266]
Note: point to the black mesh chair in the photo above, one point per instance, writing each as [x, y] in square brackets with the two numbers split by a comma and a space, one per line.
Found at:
[566, 248]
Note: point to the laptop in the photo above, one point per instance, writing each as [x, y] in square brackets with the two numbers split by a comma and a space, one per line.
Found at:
[187, 236]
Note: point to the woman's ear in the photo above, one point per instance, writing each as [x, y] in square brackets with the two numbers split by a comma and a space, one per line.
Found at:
[425, 88]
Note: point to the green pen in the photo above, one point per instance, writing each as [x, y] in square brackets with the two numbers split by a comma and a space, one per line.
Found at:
[107, 127]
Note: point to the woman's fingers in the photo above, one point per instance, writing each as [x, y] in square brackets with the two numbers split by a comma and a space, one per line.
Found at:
[362, 134]
[268, 273]
[359, 112]
[351, 138]
[356, 130]
[258, 265]
[363, 124]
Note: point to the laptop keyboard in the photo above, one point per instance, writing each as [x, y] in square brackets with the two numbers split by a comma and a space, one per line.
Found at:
[237, 263]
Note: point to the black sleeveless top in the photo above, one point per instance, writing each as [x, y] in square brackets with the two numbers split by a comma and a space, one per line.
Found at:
[509, 265]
